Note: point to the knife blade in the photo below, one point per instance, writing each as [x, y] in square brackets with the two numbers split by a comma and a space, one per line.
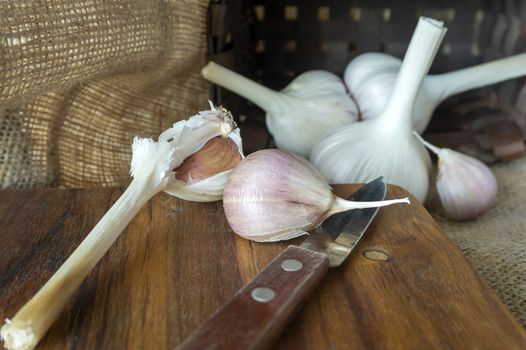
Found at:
[259, 312]
[340, 233]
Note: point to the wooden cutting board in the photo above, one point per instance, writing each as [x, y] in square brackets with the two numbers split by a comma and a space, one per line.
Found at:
[406, 287]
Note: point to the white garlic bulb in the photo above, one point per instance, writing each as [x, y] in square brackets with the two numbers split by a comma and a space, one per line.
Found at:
[275, 195]
[370, 78]
[467, 187]
[313, 104]
[385, 146]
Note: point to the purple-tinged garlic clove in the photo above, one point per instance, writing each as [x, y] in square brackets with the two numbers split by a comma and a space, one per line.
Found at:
[274, 195]
[466, 187]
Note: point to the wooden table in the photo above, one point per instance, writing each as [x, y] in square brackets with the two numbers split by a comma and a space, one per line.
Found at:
[178, 262]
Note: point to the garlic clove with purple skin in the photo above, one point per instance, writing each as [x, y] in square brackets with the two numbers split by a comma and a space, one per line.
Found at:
[467, 187]
[370, 78]
[274, 195]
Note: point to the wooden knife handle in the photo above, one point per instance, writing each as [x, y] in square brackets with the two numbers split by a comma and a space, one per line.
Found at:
[259, 312]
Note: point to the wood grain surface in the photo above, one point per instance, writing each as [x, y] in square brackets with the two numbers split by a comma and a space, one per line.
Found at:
[245, 323]
[406, 286]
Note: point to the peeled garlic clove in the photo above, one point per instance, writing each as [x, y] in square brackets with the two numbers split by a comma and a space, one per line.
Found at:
[467, 187]
[312, 105]
[275, 195]
[205, 149]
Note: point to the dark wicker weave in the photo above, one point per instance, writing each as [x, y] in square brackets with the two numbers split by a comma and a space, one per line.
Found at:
[274, 42]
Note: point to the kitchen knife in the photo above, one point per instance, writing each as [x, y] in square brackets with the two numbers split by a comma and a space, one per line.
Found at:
[256, 316]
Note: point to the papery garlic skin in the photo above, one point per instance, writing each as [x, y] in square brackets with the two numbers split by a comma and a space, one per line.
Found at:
[189, 136]
[312, 105]
[274, 195]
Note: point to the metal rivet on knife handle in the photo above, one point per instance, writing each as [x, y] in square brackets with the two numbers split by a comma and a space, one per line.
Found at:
[291, 265]
[263, 294]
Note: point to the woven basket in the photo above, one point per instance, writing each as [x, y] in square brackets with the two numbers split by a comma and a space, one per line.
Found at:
[272, 43]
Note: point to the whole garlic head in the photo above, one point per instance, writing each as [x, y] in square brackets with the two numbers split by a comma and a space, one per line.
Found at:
[384, 146]
[313, 104]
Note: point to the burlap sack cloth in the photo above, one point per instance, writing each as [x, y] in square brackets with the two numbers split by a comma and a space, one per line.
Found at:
[79, 79]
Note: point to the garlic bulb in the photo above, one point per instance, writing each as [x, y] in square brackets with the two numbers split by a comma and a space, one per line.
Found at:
[313, 104]
[385, 146]
[192, 160]
[274, 195]
[467, 188]
[370, 78]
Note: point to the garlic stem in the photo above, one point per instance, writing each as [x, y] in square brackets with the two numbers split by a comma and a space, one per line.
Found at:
[262, 96]
[33, 320]
[417, 60]
[341, 205]
[431, 147]
[445, 85]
